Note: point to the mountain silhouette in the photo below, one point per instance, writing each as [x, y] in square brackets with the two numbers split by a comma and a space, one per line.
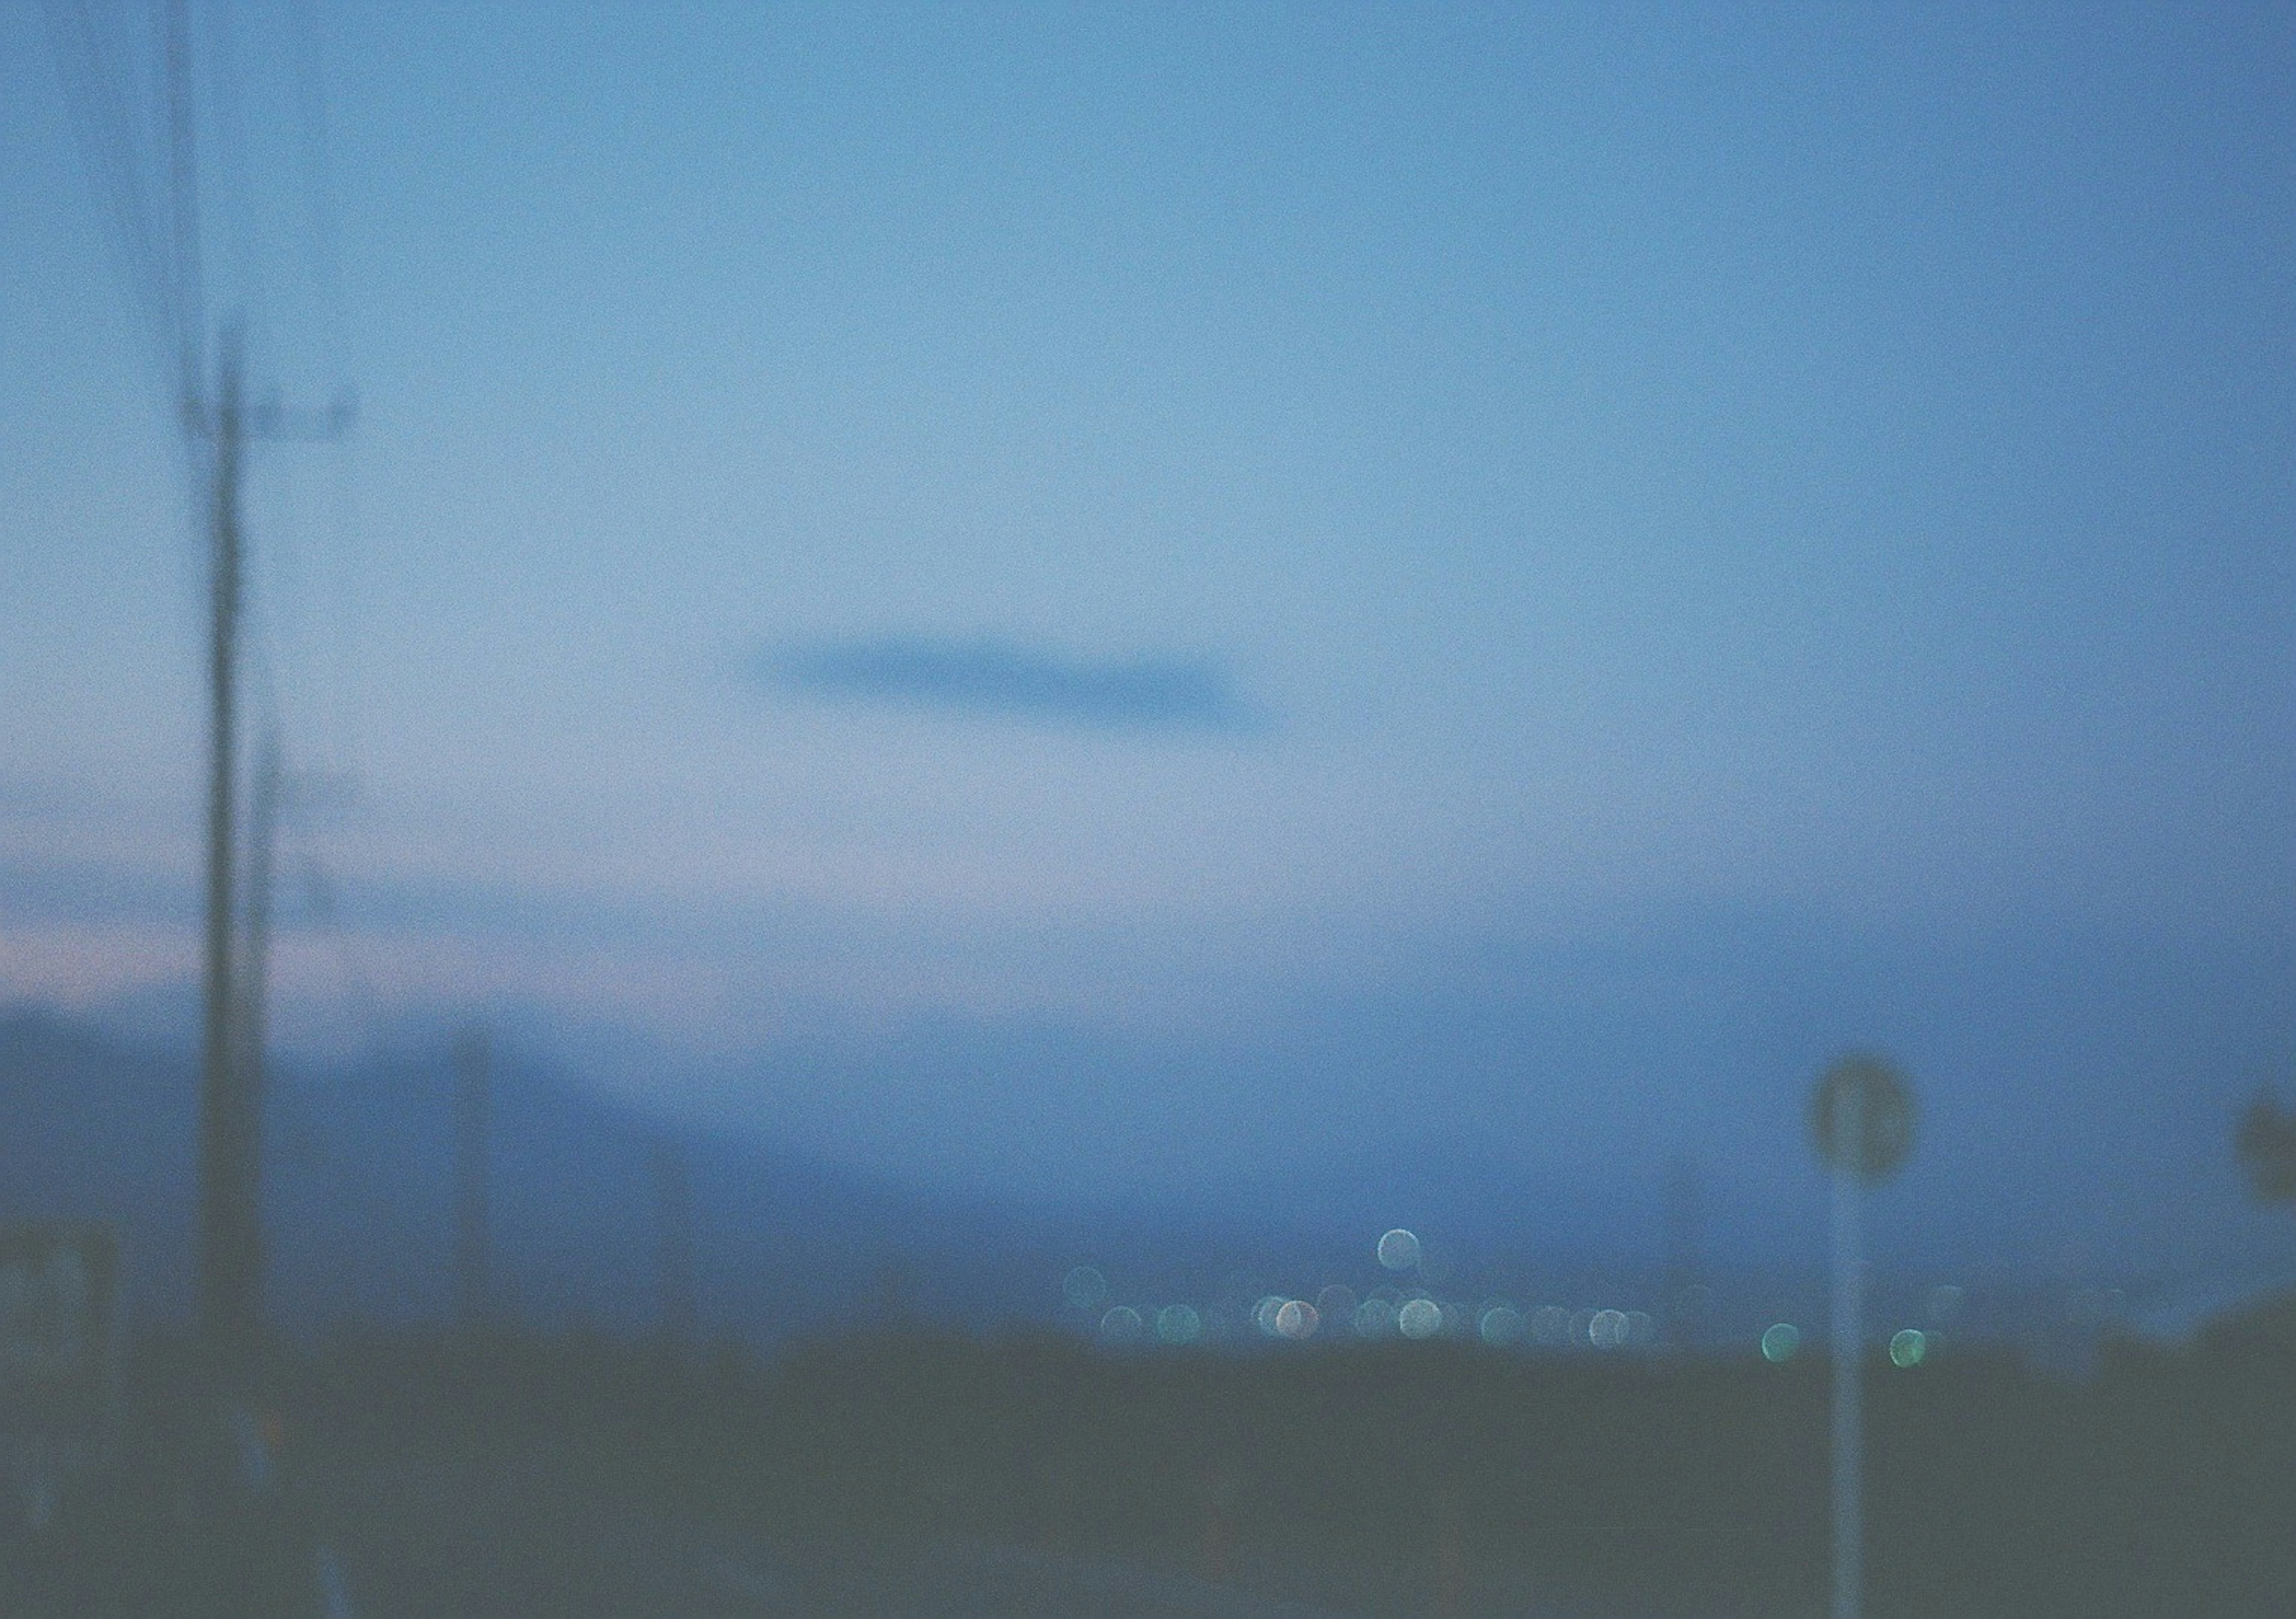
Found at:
[359, 1185]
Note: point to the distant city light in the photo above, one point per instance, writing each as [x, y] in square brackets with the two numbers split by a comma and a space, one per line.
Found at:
[1121, 1325]
[1399, 1250]
[1084, 1288]
[1422, 1318]
[1780, 1342]
[1297, 1320]
[1178, 1324]
[1907, 1347]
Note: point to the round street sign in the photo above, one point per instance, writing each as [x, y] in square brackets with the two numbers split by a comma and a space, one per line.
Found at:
[1884, 1111]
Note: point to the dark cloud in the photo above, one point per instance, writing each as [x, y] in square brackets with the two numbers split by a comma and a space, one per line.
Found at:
[988, 676]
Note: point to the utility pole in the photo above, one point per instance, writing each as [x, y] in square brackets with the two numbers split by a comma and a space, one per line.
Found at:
[255, 975]
[472, 1055]
[231, 1103]
[231, 1234]
[252, 983]
[165, 267]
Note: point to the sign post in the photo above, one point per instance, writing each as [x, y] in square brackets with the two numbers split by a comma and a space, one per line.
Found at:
[1862, 1119]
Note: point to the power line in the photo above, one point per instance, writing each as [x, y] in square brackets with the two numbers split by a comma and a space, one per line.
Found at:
[229, 168]
[186, 281]
[116, 153]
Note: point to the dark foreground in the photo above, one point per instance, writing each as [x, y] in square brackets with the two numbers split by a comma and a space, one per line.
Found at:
[917, 1475]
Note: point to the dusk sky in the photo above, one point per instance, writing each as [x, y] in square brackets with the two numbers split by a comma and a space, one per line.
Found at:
[1077, 599]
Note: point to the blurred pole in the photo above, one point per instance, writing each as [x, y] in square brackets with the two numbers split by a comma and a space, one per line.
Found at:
[230, 1264]
[1850, 1133]
[250, 1032]
[253, 1033]
[472, 1058]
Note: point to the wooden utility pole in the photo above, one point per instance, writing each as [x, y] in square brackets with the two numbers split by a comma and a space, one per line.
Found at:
[230, 1060]
[230, 1226]
[250, 1030]
[164, 261]
[263, 810]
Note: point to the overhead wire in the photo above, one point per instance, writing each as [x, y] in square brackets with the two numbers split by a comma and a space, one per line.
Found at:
[187, 278]
[117, 148]
[229, 171]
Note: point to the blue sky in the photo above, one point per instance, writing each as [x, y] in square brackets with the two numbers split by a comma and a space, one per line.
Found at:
[1601, 479]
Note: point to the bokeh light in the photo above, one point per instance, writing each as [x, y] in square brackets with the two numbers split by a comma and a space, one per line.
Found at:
[1780, 1342]
[1907, 1347]
[1641, 1327]
[1335, 1302]
[1608, 1330]
[1179, 1324]
[1263, 1313]
[1297, 1320]
[1375, 1318]
[1502, 1324]
[1422, 1318]
[1399, 1250]
[1121, 1325]
[1550, 1324]
[1084, 1288]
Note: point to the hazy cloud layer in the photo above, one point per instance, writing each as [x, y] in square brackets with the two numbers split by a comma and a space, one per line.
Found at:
[999, 677]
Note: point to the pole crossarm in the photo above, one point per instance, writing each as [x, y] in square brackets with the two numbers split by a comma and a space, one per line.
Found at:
[269, 421]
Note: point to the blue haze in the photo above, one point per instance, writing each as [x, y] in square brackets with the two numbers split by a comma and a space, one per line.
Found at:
[1454, 584]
